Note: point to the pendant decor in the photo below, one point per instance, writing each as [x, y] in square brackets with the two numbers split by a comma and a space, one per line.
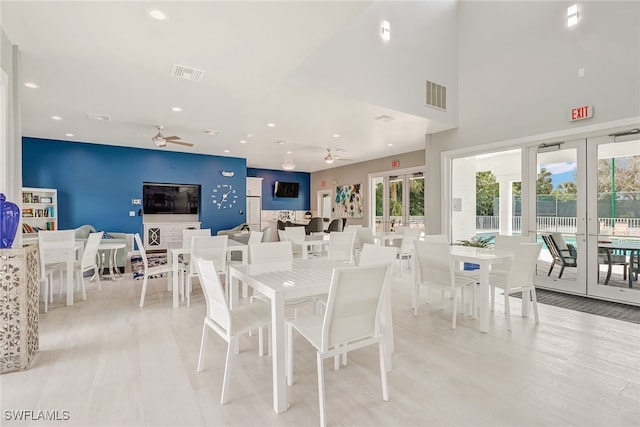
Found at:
[9, 220]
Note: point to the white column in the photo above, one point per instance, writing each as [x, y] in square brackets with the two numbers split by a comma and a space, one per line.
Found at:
[506, 196]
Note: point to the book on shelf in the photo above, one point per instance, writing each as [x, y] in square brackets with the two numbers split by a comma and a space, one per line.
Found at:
[27, 213]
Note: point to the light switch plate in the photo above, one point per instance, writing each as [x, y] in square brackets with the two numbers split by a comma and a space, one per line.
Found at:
[132, 213]
[136, 202]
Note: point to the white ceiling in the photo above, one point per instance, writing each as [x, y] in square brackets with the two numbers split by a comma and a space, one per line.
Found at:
[111, 58]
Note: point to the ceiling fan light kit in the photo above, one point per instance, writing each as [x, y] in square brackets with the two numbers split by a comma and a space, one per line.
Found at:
[161, 140]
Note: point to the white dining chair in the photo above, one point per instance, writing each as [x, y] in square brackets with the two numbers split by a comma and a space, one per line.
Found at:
[435, 268]
[341, 246]
[148, 271]
[226, 322]
[55, 248]
[213, 248]
[89, 261]
[255, 236]
[284, 237]
[504, 243]
[409, 235]
[187, 235]
[351, 321]
[519, 278]
[364, 235]
[297, 236]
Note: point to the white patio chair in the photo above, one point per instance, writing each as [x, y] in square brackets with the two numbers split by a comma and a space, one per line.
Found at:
[519, 278]
[89, 261]
[284, 237]
[351, 321]
[148, 271]
[341, 246]
[55, 247]
[226, 322]
[435, 268]
[406, 245]
[213, 248]
[297, 236]
[255, 236]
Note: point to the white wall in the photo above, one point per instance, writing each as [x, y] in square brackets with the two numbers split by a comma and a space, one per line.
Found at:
[518, 73]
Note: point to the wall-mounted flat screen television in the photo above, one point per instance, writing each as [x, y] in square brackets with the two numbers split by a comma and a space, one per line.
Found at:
[285, 189]
[160, 198]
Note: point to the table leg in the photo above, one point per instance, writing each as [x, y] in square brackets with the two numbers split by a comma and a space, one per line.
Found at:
[115, 271]
[69, 280]
[305, 250]
[386, 325]
[278, 354]
[174, 278]
[484, 297]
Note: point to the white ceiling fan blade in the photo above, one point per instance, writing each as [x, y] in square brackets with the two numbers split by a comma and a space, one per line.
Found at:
[188, 144]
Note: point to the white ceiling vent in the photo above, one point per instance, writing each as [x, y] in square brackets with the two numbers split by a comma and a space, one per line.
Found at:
[383, 118]
[187, 73]
[436, 96]
[99, 117]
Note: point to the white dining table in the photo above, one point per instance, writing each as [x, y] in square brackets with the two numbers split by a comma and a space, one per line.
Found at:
[484, 258]
[306, 278]
[175, 249]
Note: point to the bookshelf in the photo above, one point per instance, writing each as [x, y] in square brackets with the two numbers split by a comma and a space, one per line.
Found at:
[39, 210]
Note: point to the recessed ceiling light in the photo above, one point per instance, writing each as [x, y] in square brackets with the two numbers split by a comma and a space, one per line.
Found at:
[68, 134]
[385, 31]
[289, 152]
[226, 151]
[336, 135]
[389, 145]
[242, 141]
[31, 85]
[281, 142]
[212, 132]
[271, 125]
[247, 135]
[177, 109]
[56, 117]
[157, 14]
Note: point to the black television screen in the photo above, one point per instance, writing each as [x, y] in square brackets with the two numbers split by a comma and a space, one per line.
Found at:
[285, 189]
[170, 198]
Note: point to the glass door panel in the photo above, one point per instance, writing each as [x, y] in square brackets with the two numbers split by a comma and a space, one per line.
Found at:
[614, 218]
[377, 185]
[560, 205]
[396, 207]
[416, 201]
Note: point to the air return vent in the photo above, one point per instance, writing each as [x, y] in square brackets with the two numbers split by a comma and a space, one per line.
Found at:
[187, 73]
[436, 96]
[100, 117]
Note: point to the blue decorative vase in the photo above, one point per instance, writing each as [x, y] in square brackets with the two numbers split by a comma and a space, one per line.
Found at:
[9, 220]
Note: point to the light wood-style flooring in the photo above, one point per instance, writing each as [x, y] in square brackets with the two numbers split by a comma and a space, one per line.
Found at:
[110, 363]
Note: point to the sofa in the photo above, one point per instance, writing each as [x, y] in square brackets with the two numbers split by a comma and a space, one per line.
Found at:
[82, 234]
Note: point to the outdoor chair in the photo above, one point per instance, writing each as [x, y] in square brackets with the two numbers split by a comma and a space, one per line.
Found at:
[563, 254]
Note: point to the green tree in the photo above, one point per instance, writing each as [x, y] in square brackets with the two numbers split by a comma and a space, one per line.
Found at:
[416, 197]
[487, 188]
[543, 183]
[566, 191]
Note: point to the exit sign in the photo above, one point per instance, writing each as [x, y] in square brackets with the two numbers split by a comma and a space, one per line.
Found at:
[581, 113]
[395, 163]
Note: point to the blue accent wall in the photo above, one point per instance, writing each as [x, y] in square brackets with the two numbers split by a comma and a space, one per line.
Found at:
[96, 182]
[269, 177]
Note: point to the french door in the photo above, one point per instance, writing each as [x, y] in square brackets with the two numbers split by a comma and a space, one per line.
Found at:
[397, 200]
[586, 195]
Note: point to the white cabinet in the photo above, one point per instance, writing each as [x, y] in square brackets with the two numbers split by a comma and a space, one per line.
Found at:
[254, 203]
[254, 187]
[158, 234]
[39, 210]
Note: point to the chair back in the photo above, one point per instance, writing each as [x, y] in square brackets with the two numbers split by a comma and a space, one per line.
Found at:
[282, 236]
[189, 234]
[255, 236]
[523, 265]
[267, 234]
[316, 225]
[341, 246]
[364, 235]
[408, 237]
[55, 246]
[434, 263]
[551, 245]
[270, 256]
[441, 238]
[217, 307]
[143, 252]
[353, 305]
[213, 248]
[507, 243]
[295, 234]
[335, 225]
[375, 254]
[559, 241]
[91, 250]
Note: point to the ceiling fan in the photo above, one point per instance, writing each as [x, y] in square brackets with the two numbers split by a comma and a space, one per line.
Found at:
[331, 157]
[161, 140]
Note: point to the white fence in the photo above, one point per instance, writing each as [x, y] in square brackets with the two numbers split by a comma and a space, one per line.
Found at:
[563, 224]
